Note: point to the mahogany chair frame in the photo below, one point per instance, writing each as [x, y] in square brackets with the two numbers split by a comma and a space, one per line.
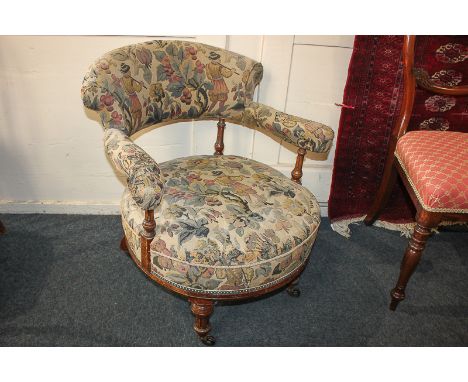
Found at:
[202, 304]
[426, 221]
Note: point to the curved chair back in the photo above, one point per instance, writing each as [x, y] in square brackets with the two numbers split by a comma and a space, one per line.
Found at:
[140, 85]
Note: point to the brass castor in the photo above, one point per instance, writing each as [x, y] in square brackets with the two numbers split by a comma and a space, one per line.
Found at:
[202, 310]
[293, 290]
[208, 340]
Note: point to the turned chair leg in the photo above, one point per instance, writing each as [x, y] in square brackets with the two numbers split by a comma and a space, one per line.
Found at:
[123, 244]
[202, 310]
[381, 198]
[293, 289]
[411, 258]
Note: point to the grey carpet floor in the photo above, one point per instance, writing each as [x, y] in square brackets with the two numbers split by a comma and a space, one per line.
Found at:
[64, 282]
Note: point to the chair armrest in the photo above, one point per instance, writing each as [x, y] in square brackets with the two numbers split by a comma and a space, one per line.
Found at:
[143, 173]
[309, 135]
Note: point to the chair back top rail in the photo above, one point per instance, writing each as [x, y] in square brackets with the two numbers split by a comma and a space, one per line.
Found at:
[160, 81]
[425, 82]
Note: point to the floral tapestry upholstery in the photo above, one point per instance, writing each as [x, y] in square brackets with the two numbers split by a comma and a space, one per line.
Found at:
[309, 135]
[225, 224]
[436, 165]
[157, 82]
[140, 85]
[143, 174]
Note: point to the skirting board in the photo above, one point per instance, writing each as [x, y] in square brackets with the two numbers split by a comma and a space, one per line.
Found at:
[76, 208]
[55, 207]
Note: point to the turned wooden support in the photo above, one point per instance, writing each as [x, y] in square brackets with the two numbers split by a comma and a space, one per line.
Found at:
[219, 145]
[147, 236]
[202, 310]
[296, 173]
[414, 250]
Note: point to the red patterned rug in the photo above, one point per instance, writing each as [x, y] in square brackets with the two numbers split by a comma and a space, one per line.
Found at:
[374, 92]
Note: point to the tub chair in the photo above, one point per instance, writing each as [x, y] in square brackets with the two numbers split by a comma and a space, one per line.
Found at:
[209, 227]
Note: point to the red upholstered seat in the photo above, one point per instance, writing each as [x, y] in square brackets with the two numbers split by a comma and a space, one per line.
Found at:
[436, 165]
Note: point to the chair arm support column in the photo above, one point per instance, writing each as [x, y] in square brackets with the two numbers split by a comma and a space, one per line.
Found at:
[296, 173]
[146, 238]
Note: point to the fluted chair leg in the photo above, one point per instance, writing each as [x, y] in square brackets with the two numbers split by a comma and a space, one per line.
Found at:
[202, 310]
[411, 258]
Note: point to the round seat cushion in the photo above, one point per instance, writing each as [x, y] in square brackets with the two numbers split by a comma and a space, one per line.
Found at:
[225, 225]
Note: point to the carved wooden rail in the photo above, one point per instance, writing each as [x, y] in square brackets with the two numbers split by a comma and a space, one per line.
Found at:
[424, 81]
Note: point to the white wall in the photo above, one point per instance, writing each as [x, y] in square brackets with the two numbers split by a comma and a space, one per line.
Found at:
[51, 153]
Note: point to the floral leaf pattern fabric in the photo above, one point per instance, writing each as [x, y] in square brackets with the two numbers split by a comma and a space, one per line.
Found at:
[309, 135]
[226, 224]
[143, 173]
[140, 85]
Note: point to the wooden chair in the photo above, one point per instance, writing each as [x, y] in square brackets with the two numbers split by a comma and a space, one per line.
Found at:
[2, 228]
[433, 166]
[209, 227]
